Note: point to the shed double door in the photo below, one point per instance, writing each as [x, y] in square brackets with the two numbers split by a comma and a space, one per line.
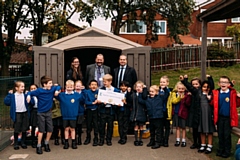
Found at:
[50, 62]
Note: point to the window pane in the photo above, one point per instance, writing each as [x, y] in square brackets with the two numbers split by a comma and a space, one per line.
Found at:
[123, 28]
[162, 27]
[137, 27]
[237, 19]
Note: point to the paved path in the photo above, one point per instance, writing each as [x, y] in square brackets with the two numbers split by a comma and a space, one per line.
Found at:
[114, 152]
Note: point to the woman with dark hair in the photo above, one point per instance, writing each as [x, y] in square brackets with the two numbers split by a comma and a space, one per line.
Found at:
[75, 72]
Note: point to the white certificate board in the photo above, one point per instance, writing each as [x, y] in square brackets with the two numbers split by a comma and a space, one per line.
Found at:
[110, 97]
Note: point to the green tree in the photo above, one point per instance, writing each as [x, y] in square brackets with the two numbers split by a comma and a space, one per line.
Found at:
[177, 13]
[234, 31]
[38, 10]
[53, 17]
[13, 17]
[60, 14]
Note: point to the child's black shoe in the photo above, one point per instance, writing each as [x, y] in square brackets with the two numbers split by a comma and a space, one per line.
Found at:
[101, 142]
[165, 143]
[39, 150]
[109, 143]
[150, 144]
[225, 155]
[87, 141]
[16, 147]
[177, 143]
[34, 144]
[194, 146]
[184, 144]
[202, 149]
[56, 142]
[124, 141]
[219, 153]
[208, 150]
[63, 141]
[66, 145]
[24, 146]
[136, 143]
[79, 141]
[157, 145]
[140, 143]
[161, 142]
[95, 142]
[47, 148]
[74, 145]
[120, 141]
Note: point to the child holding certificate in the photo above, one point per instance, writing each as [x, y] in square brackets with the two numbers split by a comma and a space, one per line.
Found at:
[107, 112]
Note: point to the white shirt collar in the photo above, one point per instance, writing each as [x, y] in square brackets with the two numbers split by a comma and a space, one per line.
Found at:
[18, 94]
[69, 93]
[123, 67]
[124, 92]
[224, 91]
[110, 89]
[78, 92]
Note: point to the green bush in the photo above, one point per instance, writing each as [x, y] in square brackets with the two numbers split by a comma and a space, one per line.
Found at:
[217, 52]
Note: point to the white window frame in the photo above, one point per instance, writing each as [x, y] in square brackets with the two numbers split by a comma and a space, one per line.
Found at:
[165, 32]
[219, 21]
[233, 21]
[125, 32]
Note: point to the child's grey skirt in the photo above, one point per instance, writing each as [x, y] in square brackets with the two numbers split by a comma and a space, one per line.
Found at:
[178, 121]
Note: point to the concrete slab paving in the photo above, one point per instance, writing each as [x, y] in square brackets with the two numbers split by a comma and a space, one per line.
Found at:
[114, 152]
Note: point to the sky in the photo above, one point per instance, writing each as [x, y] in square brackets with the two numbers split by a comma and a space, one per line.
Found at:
[100, 23]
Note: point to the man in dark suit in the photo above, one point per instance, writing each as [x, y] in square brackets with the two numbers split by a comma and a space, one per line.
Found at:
[96, 71]
[124, 73]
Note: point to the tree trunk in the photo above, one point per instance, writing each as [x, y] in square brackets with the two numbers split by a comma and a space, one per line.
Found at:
[117, 26]
[4, 66]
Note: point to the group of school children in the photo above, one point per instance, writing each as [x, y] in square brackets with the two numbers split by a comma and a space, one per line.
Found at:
[194, 104]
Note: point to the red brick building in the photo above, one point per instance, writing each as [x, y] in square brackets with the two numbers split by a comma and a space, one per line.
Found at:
[216, 30]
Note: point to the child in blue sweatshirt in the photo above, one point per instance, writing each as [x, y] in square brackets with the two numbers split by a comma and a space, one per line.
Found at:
[155, 104]
[18, 112]
[45, 100]
[79, 89]
[167, 112]
[91, 103]
[69, 104]
[107, 112]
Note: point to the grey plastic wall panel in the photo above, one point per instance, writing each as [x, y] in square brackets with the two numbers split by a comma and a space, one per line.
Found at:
[139, 58]
[130, 59]
[141, 61]
[49, 62]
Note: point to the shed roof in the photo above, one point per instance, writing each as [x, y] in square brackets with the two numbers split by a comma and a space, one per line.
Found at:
[92, 37]
[223, 10]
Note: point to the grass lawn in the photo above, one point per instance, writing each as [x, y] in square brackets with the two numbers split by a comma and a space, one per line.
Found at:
[232, 72]
[215, 146]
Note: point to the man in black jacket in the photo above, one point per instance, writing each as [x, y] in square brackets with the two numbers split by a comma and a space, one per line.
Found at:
[124, 73]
